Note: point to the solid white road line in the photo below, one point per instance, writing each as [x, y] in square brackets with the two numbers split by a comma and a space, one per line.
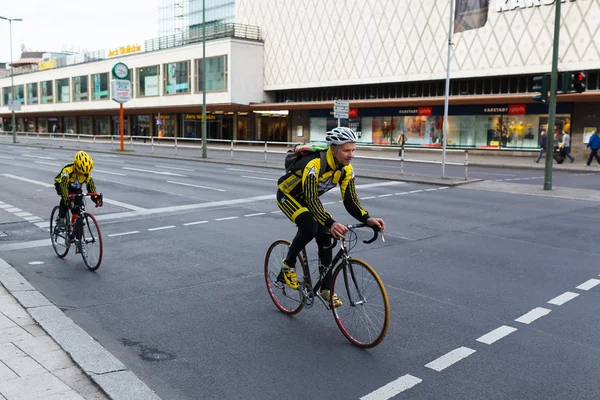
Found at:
[255, 172]
[496, 334]
[450, 358]
[563, 298]
[254, 215]
[123, 233]
[533, 315]
[259, 178]
[108, 172]
[160, 228]
[370, 185]
[25, 245]
[225, 219]
[174, 168]
[48, 163]
[124, 205]
[154, 172]
[195, 223]
[589, 284]
[196, 186]
[20, 178]
[393, 388]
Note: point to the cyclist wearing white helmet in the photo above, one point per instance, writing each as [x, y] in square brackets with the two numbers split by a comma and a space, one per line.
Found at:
[298, 197]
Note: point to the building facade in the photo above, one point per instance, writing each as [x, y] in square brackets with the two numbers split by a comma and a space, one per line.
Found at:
[387, 57]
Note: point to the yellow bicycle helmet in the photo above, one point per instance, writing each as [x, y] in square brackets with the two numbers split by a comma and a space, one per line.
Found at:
[83, 163]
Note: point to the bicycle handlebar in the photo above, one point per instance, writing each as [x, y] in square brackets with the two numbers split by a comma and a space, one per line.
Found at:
[91, 194]
[363, 225]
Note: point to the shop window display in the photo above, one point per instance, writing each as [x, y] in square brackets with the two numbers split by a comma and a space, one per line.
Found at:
[80, 88]
[62, 90]
[177, 77]
[46, 95]
[148, 79]
[32, 93]
[100, 90]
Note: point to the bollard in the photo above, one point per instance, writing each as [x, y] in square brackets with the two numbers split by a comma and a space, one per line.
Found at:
[266, 151]
[152, 144]
[466, 165]
[231, 149]
[402, 161]
[175, 144]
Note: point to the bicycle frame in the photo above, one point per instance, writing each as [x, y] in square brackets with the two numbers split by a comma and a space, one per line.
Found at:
[340, 259]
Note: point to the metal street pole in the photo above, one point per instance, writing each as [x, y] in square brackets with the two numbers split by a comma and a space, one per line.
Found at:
[12, 84]
[203, 78]
[446, 99]
[552, 105]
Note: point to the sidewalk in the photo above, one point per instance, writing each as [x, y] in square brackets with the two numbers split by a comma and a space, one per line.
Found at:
[44, 355]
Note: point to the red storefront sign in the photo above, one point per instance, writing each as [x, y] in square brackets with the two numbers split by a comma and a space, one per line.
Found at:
[425, 111]
[353, 113]
[517, 109]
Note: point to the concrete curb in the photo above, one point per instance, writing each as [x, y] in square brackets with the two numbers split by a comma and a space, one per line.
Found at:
[89, 355]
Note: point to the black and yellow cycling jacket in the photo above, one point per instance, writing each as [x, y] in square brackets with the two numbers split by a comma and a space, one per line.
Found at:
[69, 179]
[301, 187]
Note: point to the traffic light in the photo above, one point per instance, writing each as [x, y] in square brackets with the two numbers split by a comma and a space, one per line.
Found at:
[578, 82]
[541, 85]
[566, 83]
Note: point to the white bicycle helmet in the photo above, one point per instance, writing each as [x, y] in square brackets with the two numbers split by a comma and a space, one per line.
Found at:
[341, 135]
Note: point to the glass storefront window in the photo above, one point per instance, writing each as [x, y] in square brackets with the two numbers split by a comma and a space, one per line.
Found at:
[29, 124]
[242, 127]
[46, 92]
[177, 77]
[19, 94]
[101, 86]
[141, 125]
[62, 90]
[85, 125]
[80, 88]
[167, 126]
[101, 125]
[148, 81]
[216, 75]
[69, 124]
[42, 125]
[32, 93]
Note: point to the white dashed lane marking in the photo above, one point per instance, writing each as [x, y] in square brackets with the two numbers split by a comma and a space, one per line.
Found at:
[496, 334]
[123, 233]
[195, 223]
[589, 284]
[254, 215]
[160, 228]
[533, 315]
[260, 178]
[563, 298]
[450, 358]
[226, 218]
[393, 388]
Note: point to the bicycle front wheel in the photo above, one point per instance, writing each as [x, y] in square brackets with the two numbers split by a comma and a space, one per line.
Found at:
[91, 242]
[364, 316]
[287, 300]
[60, 236]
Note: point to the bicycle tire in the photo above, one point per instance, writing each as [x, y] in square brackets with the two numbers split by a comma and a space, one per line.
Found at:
[364, 324]
[90, 241]
[61, 241]
[287, 300]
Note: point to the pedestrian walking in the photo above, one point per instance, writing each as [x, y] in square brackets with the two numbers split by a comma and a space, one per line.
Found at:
[542, 141]
[594, 146]
[401, 142]
[566, 146]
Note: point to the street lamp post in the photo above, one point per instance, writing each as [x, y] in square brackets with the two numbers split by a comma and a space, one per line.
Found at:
[12, 83]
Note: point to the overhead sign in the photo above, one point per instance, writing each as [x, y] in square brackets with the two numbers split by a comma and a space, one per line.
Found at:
[509, 5]
[341, 108]
[125, 50]
[120, 90]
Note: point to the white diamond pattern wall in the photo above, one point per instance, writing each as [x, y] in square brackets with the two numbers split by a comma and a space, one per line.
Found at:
[312, 43]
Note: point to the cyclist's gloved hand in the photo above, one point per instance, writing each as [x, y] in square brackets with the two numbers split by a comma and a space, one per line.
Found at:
[98, 200]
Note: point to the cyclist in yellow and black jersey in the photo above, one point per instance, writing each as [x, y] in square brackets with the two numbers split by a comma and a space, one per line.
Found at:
[70, 180]
[298, 197]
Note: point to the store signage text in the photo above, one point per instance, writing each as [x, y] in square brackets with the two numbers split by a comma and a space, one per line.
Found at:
[125, 50]
[199, 117]
[509, 5]
[425, 111]
[517, 109]
[47, 64]
[495, 110]
[353, 113]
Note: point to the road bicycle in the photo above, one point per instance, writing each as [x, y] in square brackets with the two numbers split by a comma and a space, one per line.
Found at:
[81, 228]
[363, 317]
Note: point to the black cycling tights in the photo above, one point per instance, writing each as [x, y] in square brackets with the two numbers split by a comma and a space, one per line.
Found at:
[308, 229]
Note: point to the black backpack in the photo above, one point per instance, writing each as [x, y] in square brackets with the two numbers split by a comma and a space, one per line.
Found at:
[301, 150]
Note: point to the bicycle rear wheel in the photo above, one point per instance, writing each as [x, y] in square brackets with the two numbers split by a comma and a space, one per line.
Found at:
[91, 242]
[364, 316]
[60, 237]
[288, 301]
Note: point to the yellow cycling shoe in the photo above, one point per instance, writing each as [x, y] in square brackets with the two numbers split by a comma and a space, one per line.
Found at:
[336, 301]
[289, 276]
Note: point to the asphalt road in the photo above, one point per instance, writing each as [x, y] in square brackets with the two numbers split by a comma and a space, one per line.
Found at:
[185, 307]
